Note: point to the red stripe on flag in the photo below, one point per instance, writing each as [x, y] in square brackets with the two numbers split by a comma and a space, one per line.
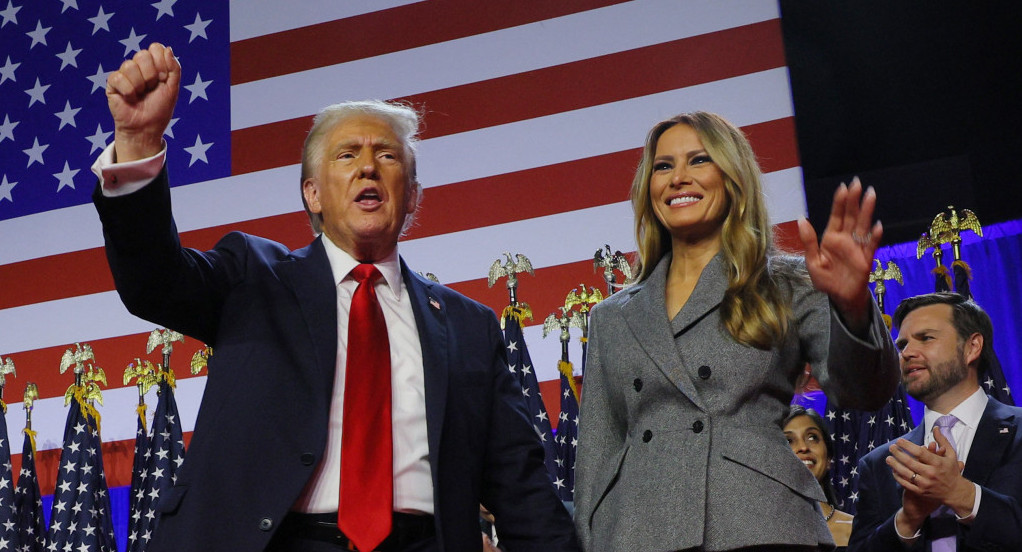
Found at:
[494, 200]
[111, 354]
[596, 81]
[386, 31]
[118, 457]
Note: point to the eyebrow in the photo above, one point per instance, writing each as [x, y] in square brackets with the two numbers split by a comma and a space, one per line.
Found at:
[377, 144]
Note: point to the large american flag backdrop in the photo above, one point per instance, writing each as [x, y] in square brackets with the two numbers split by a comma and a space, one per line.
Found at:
[535, 112]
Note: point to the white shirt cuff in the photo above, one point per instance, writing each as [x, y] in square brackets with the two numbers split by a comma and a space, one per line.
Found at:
[905, 539]
[975, 506]
[124, 178]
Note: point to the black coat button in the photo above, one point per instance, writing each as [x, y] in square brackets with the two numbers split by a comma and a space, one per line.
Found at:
[697, 426]
[704, 372]
[647, 436]
[308, 458]
[265, 524]
[637, 384]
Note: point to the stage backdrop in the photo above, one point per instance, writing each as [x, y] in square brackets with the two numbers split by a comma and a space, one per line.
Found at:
[534, 115]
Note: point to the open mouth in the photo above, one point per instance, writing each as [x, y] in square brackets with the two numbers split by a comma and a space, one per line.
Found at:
[368, 196]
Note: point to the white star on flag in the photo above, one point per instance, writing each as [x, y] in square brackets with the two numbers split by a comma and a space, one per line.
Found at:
[66, 177]
[198, 88]
[198, 151]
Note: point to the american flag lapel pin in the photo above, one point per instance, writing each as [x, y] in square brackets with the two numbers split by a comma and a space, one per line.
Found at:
[434, 303]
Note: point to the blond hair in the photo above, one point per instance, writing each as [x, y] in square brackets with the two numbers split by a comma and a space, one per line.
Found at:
[755, 310]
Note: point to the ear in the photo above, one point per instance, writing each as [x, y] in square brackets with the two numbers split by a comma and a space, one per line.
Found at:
[973, 348]
[310, 191]
[413, 198]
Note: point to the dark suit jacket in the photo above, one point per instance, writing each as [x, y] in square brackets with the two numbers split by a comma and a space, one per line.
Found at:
[270, 315]
[995, 463]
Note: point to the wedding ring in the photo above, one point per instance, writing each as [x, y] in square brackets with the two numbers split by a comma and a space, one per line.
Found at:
[914, 476]
[862, 239]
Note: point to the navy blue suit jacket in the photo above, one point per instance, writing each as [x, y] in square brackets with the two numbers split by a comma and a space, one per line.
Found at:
[270, 315]
[995, 463]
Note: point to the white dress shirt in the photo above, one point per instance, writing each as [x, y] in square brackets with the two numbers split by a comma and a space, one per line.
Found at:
[413, 483]
[968, 413]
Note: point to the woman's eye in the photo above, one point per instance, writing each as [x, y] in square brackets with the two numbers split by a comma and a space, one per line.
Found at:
[700, 159]
[662, 166]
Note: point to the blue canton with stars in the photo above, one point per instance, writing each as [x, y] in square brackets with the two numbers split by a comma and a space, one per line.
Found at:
[80, 517]
[567, 438]
[8, 511]
[855, 434]
[162, 460]
[29, 503]
[520, 364]
[55, 56]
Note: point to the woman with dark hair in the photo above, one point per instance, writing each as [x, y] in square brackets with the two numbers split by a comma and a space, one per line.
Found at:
[809, 438]
[690, 371]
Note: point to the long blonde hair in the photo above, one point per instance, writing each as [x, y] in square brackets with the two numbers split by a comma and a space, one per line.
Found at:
[754, 310]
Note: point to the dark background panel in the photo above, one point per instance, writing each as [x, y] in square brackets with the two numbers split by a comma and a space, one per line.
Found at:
[923, 101]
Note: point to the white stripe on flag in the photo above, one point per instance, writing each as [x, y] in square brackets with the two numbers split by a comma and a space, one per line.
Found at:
[489, 55]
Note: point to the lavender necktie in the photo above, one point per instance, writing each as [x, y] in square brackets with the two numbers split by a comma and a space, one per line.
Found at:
[944, 522]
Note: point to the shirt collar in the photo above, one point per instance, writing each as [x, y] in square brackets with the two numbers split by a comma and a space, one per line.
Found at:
[968, 411]
[342, 263]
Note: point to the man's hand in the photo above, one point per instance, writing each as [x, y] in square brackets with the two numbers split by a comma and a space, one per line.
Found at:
[931, 476]
[141, 96]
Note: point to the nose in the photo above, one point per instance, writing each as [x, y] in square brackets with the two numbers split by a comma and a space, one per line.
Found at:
[908, 352]
[367, 166]
[680, 176]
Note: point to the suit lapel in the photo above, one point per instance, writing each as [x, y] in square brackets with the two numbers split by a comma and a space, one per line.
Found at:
[309, 276]
[995, 432]
[646, 316]
[431, 322]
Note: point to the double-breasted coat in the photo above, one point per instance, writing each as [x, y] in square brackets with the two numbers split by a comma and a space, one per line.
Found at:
[680, 438]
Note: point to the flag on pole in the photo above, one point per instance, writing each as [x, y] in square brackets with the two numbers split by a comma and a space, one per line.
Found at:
[520, 364]
[855, 434]
[164, 458]
[29, 501]
[567, 433]
[80, 517]
[8, 510]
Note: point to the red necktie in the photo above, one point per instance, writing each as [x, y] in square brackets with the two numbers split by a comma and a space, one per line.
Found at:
[367, 468]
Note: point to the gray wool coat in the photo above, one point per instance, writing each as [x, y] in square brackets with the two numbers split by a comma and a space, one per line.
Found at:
[680, 441]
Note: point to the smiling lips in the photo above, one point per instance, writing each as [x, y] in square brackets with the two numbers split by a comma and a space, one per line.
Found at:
[683, 200]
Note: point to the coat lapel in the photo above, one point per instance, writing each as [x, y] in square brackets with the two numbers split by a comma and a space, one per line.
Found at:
[995, 432]
[309, 276]
[646, 316]
[431, 322]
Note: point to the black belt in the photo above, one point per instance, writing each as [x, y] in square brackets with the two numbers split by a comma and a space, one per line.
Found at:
[406, 529]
